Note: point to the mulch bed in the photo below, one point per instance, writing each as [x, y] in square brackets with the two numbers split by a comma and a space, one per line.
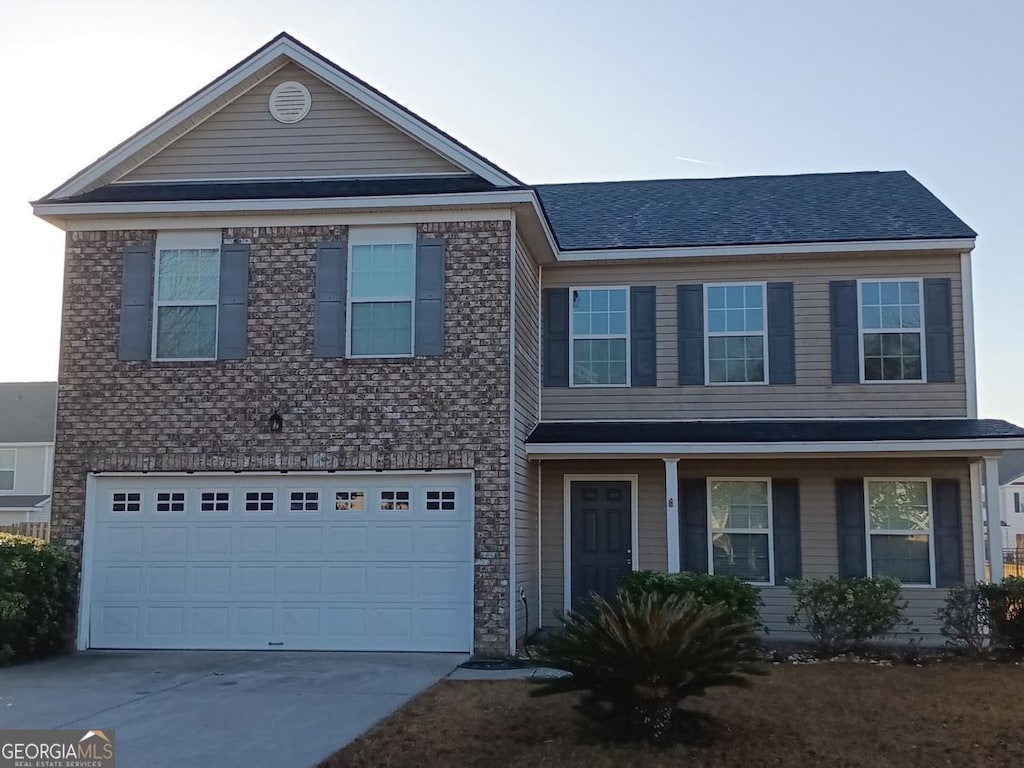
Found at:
[801, 716]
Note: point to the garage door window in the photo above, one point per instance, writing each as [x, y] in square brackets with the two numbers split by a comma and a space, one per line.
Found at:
[126, 501]
[259, 501]
[170, 501]
[305, 501]
[215, 501]
[394, 501]
[350, 501]
[440, 501]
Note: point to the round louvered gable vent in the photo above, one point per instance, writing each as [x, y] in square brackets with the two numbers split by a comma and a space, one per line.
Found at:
[290, 102]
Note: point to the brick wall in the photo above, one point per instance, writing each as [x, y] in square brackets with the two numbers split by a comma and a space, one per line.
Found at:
[446, 412]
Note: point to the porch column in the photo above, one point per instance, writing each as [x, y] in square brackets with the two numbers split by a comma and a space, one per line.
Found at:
[994, 504]
[672, 513]
[978, 521]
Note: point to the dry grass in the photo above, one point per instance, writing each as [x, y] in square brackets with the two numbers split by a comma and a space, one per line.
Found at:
[835, 715]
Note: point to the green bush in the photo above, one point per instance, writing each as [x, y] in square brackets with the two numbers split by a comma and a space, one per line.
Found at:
[843, 614]
[639, 656]
[36, 598]
[742, 599]
[964, 618]
[1005, 604]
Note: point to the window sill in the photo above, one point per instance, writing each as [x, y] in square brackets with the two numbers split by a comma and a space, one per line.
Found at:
[184, 360]
[599, 386]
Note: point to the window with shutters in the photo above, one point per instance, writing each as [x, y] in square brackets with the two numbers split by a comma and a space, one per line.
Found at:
[740, 529]
[599, 337]
[899, 527]
[186, 296]
[736, 333]
[891, 330]
[381, 291]
[8, 462]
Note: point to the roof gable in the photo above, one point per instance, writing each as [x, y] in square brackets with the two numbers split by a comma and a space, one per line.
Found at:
[281, 52]
[338, 138]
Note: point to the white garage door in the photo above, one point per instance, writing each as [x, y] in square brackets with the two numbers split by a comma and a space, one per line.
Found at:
[288, 561]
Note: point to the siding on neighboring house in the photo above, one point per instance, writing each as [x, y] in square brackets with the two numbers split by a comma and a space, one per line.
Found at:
[32, 469]
[814, 394]
[337, 138]
[819, 545]
[527, 411]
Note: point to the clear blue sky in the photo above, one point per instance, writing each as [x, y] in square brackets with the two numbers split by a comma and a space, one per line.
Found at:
[558, 91]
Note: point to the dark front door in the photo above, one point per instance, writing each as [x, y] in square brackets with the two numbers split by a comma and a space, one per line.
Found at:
[601, 538]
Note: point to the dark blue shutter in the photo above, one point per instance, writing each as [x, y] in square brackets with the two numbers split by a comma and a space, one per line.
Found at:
[135, 341]
[781, 334]
[845, 332]
[786, 529]
[643, 337]
[1016, 503]
[690, 323]
[430, 258]
[232, 322]
[938, 325]
[948, 530]
[693, 525]
[329, 315]
[853, 558]
[556, 337]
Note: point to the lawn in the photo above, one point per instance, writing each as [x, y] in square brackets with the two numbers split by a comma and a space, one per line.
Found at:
[841, 714]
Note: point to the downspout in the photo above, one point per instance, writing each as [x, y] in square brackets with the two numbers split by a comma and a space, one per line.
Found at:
[512, 602]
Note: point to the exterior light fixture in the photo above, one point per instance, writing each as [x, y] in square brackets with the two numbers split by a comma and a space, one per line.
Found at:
[276, 422]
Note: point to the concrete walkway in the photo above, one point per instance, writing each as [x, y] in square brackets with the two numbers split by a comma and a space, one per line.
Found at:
[218, 708]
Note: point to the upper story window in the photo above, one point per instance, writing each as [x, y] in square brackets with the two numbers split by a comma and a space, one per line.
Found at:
[741, 529]
[382, 291]
[735, 337]
[890, 328]
[8, 460]
[900, 530]
[186, 296]
[599, 343]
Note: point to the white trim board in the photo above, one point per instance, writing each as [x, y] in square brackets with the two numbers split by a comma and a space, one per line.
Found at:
[634, 514]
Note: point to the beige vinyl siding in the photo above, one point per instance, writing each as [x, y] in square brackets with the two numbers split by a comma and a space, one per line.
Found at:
[527, 412]
[814, 394]
[819, 545]
[337, 138]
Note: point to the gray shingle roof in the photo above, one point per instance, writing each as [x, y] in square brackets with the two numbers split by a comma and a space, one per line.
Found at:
[824, 207]
[1011, 466]
[28, 411]
[22, 501]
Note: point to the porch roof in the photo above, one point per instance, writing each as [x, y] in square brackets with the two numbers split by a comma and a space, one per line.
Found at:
[772, 436]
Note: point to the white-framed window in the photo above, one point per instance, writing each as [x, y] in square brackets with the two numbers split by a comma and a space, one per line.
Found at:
[395, 501]
[735, 333]
[599, 337]
[900, 538]
[350, 501]
[381, 291]
[440, 501]
[186, 295]
[170, 502]
[260, 501]
[8, 463]
[304, 501]
[740, 529]
[215, 501]
[891, 330]
[126, 502]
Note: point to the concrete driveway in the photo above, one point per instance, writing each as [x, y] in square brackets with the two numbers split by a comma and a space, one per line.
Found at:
[224, 708]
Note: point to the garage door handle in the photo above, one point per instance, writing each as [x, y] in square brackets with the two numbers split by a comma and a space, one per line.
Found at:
[281, 643]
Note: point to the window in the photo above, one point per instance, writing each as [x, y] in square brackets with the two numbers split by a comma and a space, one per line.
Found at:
[599, 324]
[259, 501]
[170, 501]
[8, 459]
[350, 501]
[126, 501]
[215, 501]
[890, 326]
[394, 501]
[305, 501]
[740, 529]
[735, 333]
[900, 530]
[186, 299]
[382, 289]
[440, 501]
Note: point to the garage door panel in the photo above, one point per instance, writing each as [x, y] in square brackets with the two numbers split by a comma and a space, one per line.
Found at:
[226, 562]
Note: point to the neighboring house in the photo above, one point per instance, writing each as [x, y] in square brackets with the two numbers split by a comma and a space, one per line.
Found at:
[1011, 485]
[27, 416]
[332, 380]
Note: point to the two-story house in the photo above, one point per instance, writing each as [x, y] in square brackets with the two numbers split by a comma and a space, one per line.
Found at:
[27, 414]
[332, 380]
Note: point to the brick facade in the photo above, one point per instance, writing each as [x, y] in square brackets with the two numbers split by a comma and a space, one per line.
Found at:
[449, 412]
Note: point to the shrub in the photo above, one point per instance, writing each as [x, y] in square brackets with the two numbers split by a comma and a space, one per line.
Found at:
[36, 598]
[742, 599]
[1005, 603]
[638, 657]
[964, 618]
[843, 614]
